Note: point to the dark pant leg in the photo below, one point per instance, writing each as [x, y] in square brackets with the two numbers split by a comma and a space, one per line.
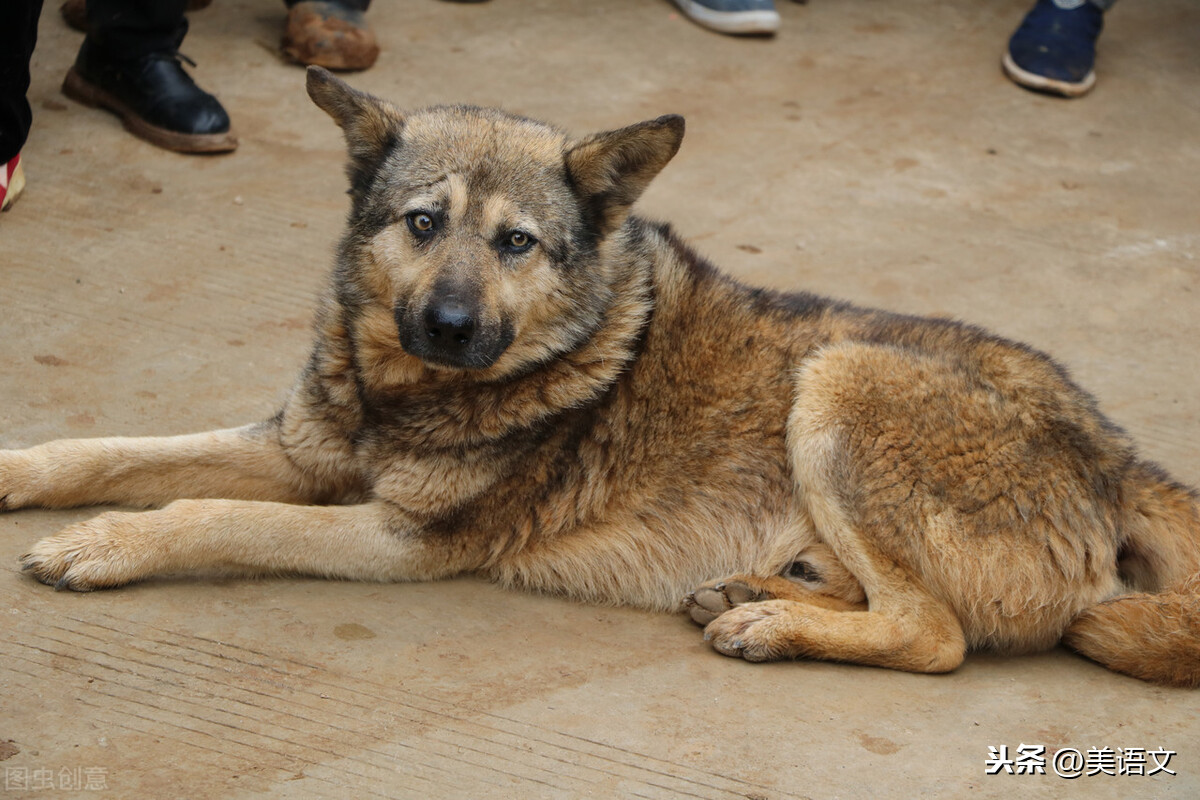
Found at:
[18, 34]
[360, 5]
[124, 29]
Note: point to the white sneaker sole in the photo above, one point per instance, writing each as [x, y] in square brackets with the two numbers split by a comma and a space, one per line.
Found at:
[730, 21]
[1044, 84]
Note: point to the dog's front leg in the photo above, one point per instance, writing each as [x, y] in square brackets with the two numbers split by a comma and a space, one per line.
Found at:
[371, 541]
[244, 463]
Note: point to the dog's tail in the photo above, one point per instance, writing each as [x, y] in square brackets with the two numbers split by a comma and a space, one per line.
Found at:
[1154, 633]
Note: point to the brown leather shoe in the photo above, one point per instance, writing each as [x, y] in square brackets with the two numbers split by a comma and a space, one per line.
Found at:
[74, 12]
[329, 35]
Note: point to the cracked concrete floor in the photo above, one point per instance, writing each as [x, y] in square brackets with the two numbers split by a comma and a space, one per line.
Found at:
[872, 151]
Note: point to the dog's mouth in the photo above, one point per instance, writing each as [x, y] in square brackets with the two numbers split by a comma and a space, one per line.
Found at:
[449, 333]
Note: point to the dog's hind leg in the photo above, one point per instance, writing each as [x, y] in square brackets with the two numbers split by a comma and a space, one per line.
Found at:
[902, 627]
[968, 489]
[814, 577]
[370, 541]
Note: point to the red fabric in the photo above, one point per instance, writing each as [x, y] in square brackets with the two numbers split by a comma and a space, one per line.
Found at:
[9, 169]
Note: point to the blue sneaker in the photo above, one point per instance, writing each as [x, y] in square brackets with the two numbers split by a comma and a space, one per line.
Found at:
[733, 16]
[1054, 49]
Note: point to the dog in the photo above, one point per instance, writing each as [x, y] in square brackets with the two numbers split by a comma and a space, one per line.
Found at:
[514, 377]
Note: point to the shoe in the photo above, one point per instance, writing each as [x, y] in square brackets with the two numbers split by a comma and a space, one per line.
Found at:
[74, 12]
[1054, 49]
[12, 181]
[329, 35]
[155, 99]
[732, 16]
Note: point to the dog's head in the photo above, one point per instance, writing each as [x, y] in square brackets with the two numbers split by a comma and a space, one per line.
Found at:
[482, 232]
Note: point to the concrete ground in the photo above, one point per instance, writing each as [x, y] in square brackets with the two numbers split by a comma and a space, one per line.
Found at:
[872, 151]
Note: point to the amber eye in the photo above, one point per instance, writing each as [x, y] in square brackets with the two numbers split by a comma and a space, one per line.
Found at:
[421, 222]
[518, 242]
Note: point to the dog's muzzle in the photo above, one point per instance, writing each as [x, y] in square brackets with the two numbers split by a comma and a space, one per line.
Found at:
[449, 332]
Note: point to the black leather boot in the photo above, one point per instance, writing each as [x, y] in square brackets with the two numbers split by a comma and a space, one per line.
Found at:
[155, 98]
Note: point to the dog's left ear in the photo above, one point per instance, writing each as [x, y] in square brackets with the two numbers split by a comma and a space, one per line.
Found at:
[612, 169]
[371, 125]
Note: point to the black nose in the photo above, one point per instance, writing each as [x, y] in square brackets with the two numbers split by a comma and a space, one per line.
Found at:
[449, 325]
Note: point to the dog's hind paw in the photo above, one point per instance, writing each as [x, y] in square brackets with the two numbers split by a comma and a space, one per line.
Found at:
[714, 598]
[93, 554]
[755, 632]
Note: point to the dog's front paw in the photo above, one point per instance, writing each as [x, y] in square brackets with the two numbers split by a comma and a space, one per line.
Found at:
[754, 631]
[95, 554]
[16, 480]
[714, 598]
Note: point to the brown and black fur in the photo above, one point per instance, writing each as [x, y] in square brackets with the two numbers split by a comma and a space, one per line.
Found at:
[513, 377]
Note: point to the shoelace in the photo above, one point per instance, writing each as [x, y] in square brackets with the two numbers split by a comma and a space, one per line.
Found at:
[173, 55]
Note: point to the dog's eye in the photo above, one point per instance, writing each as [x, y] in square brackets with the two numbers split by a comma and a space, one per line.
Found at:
[518, 241]
[421, 223]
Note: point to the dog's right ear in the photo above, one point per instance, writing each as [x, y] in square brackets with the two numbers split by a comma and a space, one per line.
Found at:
[372, 126]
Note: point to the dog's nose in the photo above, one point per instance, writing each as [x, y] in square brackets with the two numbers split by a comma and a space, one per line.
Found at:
[449, 325]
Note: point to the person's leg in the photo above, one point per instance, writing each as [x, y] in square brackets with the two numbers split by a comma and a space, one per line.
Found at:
[360, 5]
[130, 64]
[330, 33]
[18, 34]
[127, 29]
[1054, 48]
[74, 12]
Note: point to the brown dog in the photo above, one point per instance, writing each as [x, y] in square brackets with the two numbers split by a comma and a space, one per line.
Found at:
[513, 377]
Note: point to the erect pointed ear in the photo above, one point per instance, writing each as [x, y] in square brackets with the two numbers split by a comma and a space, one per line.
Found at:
[612, 169]
[371, 125]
